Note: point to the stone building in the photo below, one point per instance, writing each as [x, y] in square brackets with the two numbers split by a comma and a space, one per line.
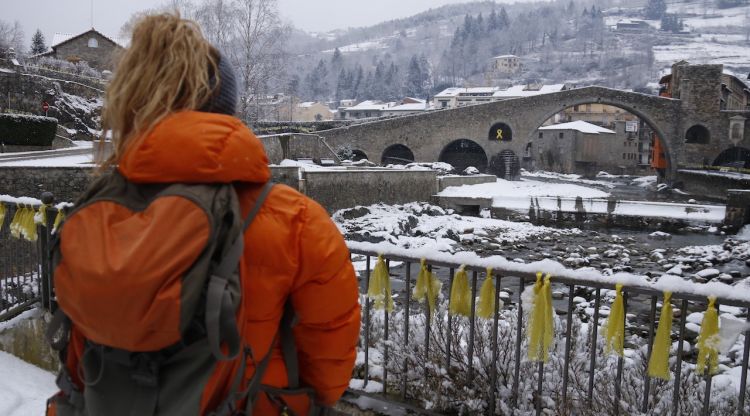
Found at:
[91, 46]
[305, 111]
[584, 148]
[506, 64]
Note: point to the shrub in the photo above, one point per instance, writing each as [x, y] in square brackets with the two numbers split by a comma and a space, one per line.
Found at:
[25, 130]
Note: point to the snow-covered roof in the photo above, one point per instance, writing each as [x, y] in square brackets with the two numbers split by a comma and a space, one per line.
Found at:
[456, 91]
[60, 38]
[370, 105]
[505, 57]
[307, 104]
[579, 125]
[410, 107]
[524, 91]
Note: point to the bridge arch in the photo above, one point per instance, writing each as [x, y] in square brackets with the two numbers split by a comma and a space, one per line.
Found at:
[397, 154]
[603, 98]
[463, 153]
[736, 157]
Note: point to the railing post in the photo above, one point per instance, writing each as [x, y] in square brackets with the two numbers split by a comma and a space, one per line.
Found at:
[449, 334]
[595, 332]
[495, 323]
[519, 330]
[44, 255]
[367, 325]
[385, 343]
[647, 381]
[678, 369]
[745, 357]
[620, 360]
[568, 335]
[406, 329]
[472, 319]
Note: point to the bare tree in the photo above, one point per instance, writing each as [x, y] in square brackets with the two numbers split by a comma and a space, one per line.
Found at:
[11, 36]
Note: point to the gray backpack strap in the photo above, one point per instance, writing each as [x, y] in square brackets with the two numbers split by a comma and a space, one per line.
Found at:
[220, 321]
[288, 346]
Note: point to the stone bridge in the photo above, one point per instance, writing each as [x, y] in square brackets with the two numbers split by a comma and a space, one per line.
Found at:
[427, 137]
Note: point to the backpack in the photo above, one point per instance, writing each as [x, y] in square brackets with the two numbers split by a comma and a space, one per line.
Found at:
[148, 274]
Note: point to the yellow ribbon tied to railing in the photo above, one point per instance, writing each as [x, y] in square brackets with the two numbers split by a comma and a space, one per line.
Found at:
[708, 340]
[379, 289]
[486, 306]
[541, 328]
[658, 364]
[2, 215]
[41, 215]
[427, 288]
[460, 302]
[614, 339]
[59, 218]
[15, 223]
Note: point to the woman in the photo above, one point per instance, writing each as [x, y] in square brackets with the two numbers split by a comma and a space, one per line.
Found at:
[169, 108]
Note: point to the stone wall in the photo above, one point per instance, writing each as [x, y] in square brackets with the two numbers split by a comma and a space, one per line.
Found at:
[23, 336]
[332, 189]
[65, 183]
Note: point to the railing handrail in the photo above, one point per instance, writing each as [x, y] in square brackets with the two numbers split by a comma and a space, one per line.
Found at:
[725, 294]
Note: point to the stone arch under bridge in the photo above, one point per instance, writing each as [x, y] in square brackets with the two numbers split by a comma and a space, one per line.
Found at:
[428, 134]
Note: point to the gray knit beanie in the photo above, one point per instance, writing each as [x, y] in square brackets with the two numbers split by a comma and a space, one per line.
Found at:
[224, 100]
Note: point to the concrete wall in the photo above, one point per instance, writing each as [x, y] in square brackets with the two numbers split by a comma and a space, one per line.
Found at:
[447, 181]
[345, 189]
[293, 146]
[711, 184]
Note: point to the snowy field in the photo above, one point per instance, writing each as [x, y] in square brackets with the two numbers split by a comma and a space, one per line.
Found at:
[524, 187]
[24, 388]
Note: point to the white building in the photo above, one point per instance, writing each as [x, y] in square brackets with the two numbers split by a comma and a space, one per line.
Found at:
[365, 109]
[461, 97]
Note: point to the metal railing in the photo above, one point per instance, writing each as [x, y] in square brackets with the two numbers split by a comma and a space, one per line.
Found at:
[24, 264]
[472, 365]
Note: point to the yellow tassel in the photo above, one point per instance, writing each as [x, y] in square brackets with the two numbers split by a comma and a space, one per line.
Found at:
[59, 218]
[708, 340]
[15, 223]
[658, 364]
[615, 336]
[427, 288]
[380, 287]
[41, 215]
[549, 316]
[29, 225]
[2, 215]
[486, 307]
[460, 303]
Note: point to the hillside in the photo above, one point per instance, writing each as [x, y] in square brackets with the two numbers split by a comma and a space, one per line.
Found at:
[559, 41]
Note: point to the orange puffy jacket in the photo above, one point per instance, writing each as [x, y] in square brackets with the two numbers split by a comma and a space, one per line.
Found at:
[292, 250]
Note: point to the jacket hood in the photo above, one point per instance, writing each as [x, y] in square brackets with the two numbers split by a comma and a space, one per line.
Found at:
[196, 147]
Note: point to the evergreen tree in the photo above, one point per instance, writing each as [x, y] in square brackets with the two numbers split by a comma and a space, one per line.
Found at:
[414, 80]
[337, 59]
[358, 83]
[317, 81]
[493, 22]
[37, 43]
[655, 9]
[504, 20]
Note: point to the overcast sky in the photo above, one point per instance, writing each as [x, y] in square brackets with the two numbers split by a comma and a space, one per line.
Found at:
[74, 16]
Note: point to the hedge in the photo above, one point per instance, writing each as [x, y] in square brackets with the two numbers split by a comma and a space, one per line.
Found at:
[26, 130]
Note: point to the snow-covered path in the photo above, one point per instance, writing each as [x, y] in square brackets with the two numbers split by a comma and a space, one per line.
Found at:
[24, 388]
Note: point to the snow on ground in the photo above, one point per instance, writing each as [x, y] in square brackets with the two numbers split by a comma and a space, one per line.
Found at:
[419, 225]
[24, 388]
[571, 177]
[75, 160]
[523, 188]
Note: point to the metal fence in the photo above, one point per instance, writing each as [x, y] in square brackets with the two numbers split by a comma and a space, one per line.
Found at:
[24, 260]
[418, 359]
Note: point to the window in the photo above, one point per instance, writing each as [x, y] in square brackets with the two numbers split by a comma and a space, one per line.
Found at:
[562, 135]
[443, 104]
[624, 156]
[93, 43]
[541, 135]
